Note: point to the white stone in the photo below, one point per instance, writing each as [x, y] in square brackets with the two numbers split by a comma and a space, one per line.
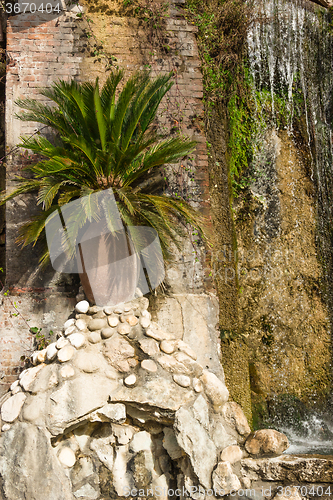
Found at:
[197, 385]
[86, 491]
[149, 365]
[224, 478]
[182, 380]
[69, 330]
[14, 385]
[66, 353]
[232, 454]
[195, 440]
[62, 342]
[16, 390]
[67, 456]
[122, 479]
[149, 346]
[94, 337]
[124, 329]
[29, 377]
[67, 371]
[97, 324]
[108, 310]
[141, 442]
[107, 332]
[145, 322]
[113, 412]
[123, 433]
[82, 307]
[130, 380]
[77, 340]
[34, 358]
[68, 323]
[41, 356]
[170, 444]
[81, 325]
[157, 333]
[113, 321]
[168, 346]
[5, 427]
[170, 364]
[11, 408]
[51, 352]
[215, 389]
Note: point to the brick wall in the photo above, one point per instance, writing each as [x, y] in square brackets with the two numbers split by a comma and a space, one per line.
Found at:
[42, 50]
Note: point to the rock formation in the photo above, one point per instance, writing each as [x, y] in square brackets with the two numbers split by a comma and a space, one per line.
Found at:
[117, 407]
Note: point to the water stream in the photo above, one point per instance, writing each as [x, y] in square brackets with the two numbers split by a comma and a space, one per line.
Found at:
[291, 61]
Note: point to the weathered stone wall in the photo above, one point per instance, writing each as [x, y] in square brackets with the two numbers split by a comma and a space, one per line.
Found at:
[282, 307]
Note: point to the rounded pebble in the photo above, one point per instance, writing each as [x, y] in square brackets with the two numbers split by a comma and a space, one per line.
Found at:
[130, 380]
[132, 320]
[94, 309]
[113, 321]
[182, 380]
[108, 310]
[94, 337]
[67, 457]
[167, 346]
[124, 329]
[149, 365]
[62, 342]
[5, 427]
[97, 324]
[81, 324]
[34, 358]
[14, 385]
[66, 353]
[107, 332]
[69, 330]
[146, 314]
[41, 356]
[51, 352]
[145, 322]
[82, 306]
[67, 371]
[68, 323]
[127, 307]
[77, 340]
[197, 385]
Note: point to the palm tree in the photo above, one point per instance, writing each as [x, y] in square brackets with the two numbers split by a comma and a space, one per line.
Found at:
[101, 142]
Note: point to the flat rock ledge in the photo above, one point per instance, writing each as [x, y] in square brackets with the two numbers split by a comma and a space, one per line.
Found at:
[118, 408]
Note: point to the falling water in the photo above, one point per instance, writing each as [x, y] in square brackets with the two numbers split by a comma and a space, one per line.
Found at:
[291, 60]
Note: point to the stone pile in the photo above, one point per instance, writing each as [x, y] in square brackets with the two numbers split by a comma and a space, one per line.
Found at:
[116, 406]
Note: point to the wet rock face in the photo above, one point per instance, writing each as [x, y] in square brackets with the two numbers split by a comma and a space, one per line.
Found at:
[104, 415]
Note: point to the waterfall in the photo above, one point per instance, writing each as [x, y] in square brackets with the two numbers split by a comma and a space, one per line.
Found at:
[290, 54]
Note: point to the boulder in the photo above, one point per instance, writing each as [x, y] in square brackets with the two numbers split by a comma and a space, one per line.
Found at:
[194, 439]
[224, 480]
[215, 389]
[11, 408]
[29, 468]
[266, 442]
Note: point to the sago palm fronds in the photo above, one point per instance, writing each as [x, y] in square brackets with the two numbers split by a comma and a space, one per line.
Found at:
[104, 142]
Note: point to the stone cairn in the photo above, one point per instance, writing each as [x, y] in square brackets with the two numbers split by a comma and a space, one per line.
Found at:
[118, 408]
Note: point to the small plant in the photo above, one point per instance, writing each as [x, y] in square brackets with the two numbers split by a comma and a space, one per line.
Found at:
[41, 341]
